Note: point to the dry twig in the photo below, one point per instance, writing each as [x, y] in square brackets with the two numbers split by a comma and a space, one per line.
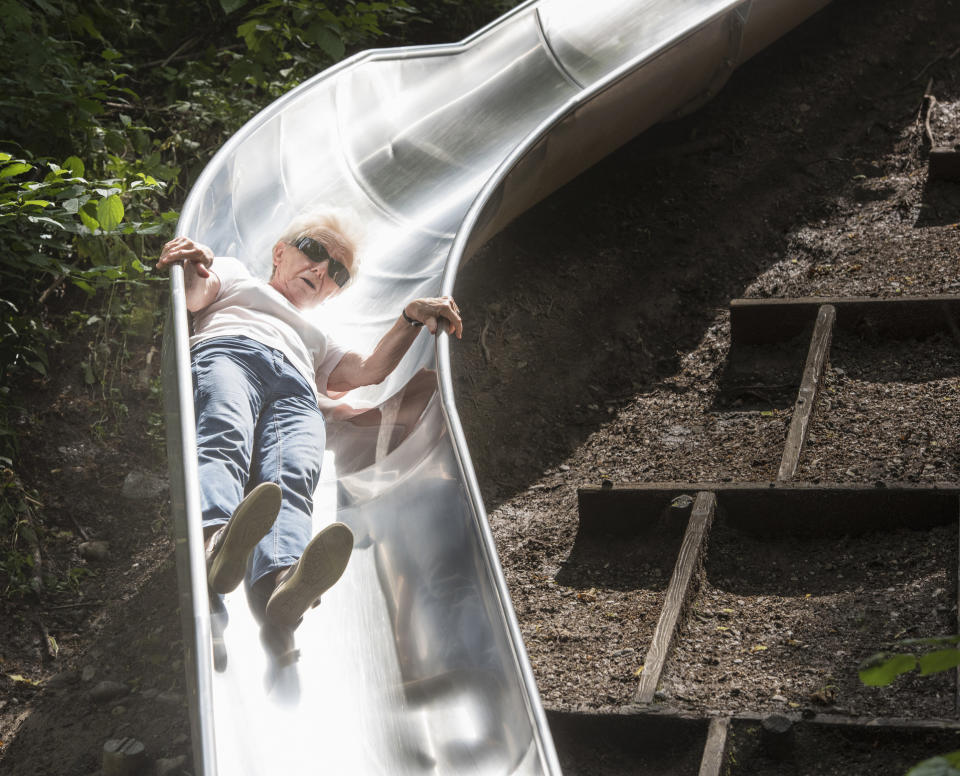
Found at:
[75, 605]
[483, 342]
[57, 282]
[932, 62]
[80, 529]
[929, 101]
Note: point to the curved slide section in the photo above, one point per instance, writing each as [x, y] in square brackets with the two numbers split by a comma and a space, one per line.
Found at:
[414, 663]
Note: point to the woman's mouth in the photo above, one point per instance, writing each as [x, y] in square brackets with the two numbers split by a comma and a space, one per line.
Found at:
[307, 281]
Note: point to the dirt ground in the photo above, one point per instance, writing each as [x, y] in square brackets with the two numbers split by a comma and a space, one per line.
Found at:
[597, 343]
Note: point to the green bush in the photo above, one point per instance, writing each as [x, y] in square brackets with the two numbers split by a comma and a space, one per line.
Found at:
[59, 227]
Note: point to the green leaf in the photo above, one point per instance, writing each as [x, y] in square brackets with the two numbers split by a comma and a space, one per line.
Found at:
[48, 8]
[89, 221]
[93, 107]
[944, 765]
[75, 165]
[330, 43]
[5, 157]
[248, 31]
[115, 142]
[941, 660]
[110, 212]
[881, 669]
[45, 220]
[229, 6]
[17, 168]
[38, 202]
[86, 24]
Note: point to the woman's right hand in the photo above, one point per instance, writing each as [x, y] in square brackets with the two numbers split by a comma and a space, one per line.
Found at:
[181, 249]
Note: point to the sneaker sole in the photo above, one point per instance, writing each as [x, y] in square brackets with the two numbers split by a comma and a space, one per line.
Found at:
[250, 522]
[321, 565]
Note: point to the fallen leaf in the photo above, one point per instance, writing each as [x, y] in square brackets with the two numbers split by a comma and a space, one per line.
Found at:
[20, 678]
[825, 695]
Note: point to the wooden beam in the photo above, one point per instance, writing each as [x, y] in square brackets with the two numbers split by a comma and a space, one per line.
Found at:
[715, 749]
[908, 724]
[764, 321]
[776, 508]
[944, 164]
[701, 517]
[807, 397]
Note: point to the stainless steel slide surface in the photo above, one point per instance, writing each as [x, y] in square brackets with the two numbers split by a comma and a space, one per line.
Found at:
[413, 663]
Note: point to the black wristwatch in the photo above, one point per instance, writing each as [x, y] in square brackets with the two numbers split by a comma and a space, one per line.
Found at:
[411, 321]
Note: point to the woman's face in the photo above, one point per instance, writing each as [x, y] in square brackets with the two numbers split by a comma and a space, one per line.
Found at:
[304, 282]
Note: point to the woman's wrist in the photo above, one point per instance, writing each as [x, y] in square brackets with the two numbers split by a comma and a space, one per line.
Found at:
[412, 321]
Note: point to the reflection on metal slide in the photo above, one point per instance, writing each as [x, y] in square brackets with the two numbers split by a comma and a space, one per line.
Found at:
[414, 663]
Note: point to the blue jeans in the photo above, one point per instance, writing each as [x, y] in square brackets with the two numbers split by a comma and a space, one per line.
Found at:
[257, 421]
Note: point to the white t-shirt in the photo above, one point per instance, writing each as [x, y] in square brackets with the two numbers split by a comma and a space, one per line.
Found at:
[246, 306]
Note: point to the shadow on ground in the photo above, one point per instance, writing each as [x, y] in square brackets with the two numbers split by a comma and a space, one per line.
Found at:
[591, 296]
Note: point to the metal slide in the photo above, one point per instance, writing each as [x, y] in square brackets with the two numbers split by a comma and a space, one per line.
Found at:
[414, 663]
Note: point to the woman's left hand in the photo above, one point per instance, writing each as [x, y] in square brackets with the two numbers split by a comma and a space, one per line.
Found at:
[432, 310]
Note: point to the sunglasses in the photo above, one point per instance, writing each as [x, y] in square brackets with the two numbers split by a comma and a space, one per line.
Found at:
[315, 251]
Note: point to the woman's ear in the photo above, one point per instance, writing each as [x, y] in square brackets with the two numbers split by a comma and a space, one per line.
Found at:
[278, 252]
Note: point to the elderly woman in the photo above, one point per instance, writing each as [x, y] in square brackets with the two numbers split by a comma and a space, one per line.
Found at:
[259, 367]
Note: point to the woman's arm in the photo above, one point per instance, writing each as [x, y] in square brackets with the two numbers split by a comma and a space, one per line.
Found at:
[355, 370]
[201, 285]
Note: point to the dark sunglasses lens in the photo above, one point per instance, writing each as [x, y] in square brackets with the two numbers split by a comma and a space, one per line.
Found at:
[338, 272]
[315, 251]
[312, 249]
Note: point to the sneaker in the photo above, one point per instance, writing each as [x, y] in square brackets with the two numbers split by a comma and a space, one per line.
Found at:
[321, 565]
[232, 544]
